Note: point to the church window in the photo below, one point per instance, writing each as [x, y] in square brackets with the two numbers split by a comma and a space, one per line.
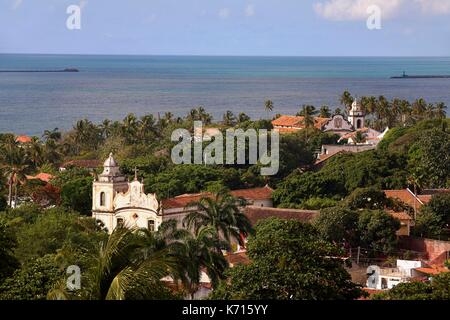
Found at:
[102, 199]
[151, 225]
[119, 222]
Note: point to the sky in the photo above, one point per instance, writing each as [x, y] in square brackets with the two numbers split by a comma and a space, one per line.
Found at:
[227, 27]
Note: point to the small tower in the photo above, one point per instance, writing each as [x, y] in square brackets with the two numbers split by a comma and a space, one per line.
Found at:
[104, 190]
[356, 115]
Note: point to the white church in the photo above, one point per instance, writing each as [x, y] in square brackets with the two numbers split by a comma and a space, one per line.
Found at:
[115, 200]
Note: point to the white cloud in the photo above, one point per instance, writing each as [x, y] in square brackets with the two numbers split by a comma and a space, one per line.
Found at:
[341, 10]
[224, 13]
[16, 4]
[434, 6]
[250, 10]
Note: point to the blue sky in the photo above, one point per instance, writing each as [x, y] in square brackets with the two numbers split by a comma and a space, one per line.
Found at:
[227, 27]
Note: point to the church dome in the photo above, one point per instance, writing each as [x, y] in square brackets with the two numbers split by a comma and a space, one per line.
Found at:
[110, 162]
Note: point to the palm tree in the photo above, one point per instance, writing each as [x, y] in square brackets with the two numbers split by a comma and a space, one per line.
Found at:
[13, 162]
[308, 113]
[440, 110]
[325, 112]
[147, 127]
[268, 105]
[243, 117]
[105, 128]
[54, 134]
[220, 211]
[229, 119]
[35, 151]
[123, 268]
[130, 128]
[346, 100]
[196, 252]
[359, 137]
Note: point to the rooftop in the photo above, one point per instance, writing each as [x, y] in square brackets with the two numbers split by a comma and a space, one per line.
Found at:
[297, 122]
[255, 214]
[264, 193]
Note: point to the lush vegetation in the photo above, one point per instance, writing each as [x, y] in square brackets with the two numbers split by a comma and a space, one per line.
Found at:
[50, 229]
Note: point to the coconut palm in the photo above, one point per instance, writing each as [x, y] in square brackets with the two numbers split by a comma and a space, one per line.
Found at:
[346, 100]
[196, 252]
[243, 117]
[440, 112]
[13, 162]
[35, 152]
[220, 211]
[54, 134]
[229, 118]
[120, 269]
[325, 112]
[268, 105]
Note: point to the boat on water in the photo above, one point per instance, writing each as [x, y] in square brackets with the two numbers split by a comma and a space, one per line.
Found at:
[405, 76]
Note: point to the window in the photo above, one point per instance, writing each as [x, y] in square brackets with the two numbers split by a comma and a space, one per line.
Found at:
[102, 199]
[151, 225]
[358, 124]
[119, 222]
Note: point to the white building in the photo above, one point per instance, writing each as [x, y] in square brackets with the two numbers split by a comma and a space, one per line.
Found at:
[115, 200]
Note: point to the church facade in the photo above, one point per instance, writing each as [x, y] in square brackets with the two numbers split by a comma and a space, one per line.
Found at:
[116, 201]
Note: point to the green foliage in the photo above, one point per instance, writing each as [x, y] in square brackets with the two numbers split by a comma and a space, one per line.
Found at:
[366, 198]
[77, 195]
[429, 158]
[44, 232]
[191, 179]
[377, 231]
[318, 203]
[32, 281]
[8, 242]
[289, 262]
[440, 205]
[429, 224]
[407, 291]
[338, 225]
[3, 203]
[437, 289]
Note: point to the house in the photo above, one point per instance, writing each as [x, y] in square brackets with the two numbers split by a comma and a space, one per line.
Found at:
[387, 278]
[115, 200]
[406, 222]
[406, 196]
[405, 271]
[23, 139]
[290, 124]
[90, 165]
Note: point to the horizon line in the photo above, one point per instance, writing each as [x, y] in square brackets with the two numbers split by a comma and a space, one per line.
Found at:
[226, 55]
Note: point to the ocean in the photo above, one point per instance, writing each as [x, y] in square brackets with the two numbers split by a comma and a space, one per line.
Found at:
[113, 86]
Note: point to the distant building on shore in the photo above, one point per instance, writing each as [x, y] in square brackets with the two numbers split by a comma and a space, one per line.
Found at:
[337, 124]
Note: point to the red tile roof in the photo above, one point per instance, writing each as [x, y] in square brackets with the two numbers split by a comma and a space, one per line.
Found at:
[237, 258]
[255, 214]
[23, 139]
[435, 270]
[399, 215]
[296, 122]
[325, 157]
[264, 193]
[90, 164]
[405, 196]
[46, 177]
